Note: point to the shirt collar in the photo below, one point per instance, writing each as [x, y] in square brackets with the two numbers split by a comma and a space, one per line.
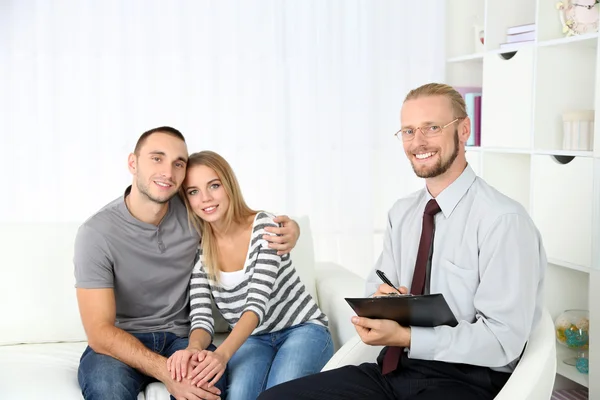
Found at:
[122, 206]
[449, 197]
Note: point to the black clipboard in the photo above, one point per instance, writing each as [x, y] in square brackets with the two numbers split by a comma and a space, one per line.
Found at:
[427, 310]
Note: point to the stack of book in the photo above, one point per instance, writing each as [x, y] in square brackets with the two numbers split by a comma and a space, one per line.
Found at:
[472, 96]
[519, 35]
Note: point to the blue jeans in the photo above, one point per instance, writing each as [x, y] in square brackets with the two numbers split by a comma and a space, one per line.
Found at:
[269, 359]
[103, 377]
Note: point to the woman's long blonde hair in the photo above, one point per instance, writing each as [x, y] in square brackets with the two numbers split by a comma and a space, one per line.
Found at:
[237, 213]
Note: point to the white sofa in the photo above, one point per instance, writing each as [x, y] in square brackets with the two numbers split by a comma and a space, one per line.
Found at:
[41, 336]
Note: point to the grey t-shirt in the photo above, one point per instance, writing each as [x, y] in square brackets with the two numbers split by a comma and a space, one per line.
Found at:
[148, 266]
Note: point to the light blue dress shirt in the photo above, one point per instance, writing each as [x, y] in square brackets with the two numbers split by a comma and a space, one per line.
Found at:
[488, 262]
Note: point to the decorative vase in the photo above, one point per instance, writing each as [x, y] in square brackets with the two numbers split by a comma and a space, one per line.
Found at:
[572, 330]
[583, 362]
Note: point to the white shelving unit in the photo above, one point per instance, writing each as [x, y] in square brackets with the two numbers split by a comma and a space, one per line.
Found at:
[525, 90]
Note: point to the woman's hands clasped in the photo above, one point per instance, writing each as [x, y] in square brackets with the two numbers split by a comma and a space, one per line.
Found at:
[210, 369]
[199, 366]
[179, 363]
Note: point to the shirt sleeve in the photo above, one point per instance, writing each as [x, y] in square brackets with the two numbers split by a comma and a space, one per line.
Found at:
[266, 268]
[92, 260]
[200, 301]
[385, 262]
[505, 301]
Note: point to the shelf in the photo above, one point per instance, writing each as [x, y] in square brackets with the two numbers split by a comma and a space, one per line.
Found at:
[515, 47]
[589, 39]
[569, 371]
[469, 57]
[509, 174]
[505, 150]
[508, 150]
[466, 74]
[569, 265]
[530, 89]
[474, 160]
[502, 15]
[463, 37]
[573, 153]
[562, 208]
[507, 81]
[574, 91]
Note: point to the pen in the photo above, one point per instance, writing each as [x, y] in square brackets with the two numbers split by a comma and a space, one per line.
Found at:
[385, 280]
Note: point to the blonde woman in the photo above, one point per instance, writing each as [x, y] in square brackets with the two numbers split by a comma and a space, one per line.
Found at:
[278, 331]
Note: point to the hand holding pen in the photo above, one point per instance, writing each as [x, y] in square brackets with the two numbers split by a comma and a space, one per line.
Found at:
[387, 288]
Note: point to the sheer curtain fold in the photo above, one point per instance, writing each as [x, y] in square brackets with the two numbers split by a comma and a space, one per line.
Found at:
[302, 97]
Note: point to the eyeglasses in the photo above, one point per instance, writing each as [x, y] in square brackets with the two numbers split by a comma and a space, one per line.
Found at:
[428, 131]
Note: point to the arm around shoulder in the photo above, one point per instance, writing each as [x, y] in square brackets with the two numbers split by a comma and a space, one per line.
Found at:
[287, 231]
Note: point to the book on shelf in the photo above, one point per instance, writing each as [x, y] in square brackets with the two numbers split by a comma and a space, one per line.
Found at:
[472, 97]
[477, 117]
[519, 35]
[513, 30]
[474, 114]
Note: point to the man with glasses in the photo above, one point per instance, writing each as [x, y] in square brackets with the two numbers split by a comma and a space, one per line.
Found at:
[457, 236]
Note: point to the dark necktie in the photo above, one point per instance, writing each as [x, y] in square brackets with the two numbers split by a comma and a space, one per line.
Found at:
[392, 355]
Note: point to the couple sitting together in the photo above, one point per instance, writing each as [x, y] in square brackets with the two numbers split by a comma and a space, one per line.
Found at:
[150, 265]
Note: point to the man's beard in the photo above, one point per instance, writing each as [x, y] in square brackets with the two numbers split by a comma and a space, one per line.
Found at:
[440, 167]
[145, 190]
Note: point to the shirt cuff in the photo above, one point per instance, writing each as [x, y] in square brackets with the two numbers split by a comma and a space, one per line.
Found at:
[422, 343]
[256, 310]
[205, 329]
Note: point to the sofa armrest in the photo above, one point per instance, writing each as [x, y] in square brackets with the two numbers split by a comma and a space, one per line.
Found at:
[353, 352]
[334, 283]
[534, 375]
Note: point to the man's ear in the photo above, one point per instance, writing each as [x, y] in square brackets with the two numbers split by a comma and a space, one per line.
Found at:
[132, 163]
[464, 130]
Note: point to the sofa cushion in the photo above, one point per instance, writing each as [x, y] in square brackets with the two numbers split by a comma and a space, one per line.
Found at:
[52, 367]
[39, 371]
[39, 283]
[303, 256]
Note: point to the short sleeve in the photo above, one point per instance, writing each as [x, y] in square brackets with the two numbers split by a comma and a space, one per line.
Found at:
[92, 261]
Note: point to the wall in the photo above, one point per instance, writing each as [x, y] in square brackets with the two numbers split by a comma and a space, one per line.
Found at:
[301, 97]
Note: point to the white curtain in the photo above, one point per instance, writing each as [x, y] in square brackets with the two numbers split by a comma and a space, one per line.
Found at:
[302, 97]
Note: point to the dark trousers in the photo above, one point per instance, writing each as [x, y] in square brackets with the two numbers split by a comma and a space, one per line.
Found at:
[413, 380]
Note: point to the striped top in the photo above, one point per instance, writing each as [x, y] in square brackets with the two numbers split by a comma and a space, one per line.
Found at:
[271, 289]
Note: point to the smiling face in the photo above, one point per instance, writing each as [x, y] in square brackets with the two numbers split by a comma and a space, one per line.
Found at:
[159, 167]
[433, 156]
[205, 193]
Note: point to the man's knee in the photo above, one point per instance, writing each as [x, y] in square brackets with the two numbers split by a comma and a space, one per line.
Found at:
[108, 389]
[104, 377]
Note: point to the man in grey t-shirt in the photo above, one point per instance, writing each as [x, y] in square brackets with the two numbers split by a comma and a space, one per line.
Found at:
[133, 261]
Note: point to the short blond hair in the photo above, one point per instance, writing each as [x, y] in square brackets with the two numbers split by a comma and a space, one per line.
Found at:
[440, 89]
